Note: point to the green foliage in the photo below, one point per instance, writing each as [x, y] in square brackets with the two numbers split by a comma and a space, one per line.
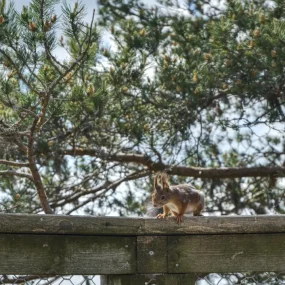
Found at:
[199, 86]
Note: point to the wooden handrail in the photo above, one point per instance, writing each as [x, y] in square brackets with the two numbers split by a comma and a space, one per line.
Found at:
[85, 245]
[113, 226]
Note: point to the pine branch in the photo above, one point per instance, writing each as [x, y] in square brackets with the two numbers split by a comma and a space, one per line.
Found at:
[17, 108]
[49, 55]
[24, 63]
[106, 186]
[78, 61]
[45, 102]
[13, 163]
[19, 73]
[13, 134]
[18, 174]
[198, 172]
[35, 173]
[91, 199]
[112, 186]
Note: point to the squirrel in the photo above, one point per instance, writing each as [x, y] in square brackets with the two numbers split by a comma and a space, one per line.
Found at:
[176, 199]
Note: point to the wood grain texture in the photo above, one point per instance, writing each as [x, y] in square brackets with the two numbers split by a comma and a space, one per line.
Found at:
[88, 225]
[167, 279]
[152, 254]
[55, 254]
[226, 253]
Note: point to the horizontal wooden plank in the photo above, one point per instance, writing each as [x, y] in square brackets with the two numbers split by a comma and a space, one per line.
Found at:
[226, 253]
[35, 254]
[152, 254]
[58, 254]
[167, 279]
[88, 225]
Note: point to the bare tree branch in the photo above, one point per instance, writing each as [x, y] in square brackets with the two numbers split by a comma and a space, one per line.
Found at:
[44, 104]
[113, 185]
[106, 186]
[13, 163]
[91, 199]
[35, 173]
[198, 172]
[15, 173]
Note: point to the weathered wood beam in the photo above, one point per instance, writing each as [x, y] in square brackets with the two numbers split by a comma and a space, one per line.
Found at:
[167, 279]
[91, 255]
[88, 225]
[66, 255]
[226, 253]
[151, 254]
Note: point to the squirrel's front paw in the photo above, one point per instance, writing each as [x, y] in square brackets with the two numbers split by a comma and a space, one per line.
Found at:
[161, 216]
[179, 219]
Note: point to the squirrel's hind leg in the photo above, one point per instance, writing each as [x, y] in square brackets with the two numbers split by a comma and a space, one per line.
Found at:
[180, 215]
[198, 210]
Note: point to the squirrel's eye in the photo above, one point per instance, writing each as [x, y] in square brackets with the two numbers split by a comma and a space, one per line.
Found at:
[162, 197]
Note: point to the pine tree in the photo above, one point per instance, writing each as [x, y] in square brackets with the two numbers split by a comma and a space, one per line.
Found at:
[187, 89]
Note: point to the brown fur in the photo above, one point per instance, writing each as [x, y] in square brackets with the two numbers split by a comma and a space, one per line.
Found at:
[176, 199]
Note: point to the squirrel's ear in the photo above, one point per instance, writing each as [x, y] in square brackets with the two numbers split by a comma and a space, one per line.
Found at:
[156, 181]
[164, 181]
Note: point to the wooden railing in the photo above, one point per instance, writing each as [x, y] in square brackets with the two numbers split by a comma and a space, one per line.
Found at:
[127, 249]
